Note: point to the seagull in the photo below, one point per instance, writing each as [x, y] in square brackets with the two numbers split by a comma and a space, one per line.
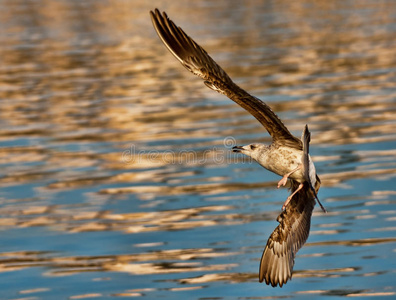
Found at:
[287, 155]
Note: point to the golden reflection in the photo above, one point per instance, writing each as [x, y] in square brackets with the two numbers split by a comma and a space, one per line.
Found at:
[228, 277]
[36, 290]
[183, 260]
[128, 72]
[162, 262]
[71, 219]
[86, 296]
[151, 268]
[205, 189]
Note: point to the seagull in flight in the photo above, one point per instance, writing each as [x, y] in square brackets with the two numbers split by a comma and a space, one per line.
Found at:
[287, 155]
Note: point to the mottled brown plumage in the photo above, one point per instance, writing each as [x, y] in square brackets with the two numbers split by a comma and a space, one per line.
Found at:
[285, 154]
[195, 59]
[277, 261]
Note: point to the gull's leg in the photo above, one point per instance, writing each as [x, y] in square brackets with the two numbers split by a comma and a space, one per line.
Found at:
[283, 181]
[291, 196]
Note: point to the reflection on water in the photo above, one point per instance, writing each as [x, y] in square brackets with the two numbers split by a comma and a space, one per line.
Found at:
[116, 174]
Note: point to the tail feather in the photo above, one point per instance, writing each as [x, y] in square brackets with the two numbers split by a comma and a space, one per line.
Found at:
[308, 167]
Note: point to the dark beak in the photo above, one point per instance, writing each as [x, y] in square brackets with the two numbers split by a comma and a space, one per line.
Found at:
[237, 149]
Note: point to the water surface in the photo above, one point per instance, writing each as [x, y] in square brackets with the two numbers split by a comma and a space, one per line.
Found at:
[116, 175]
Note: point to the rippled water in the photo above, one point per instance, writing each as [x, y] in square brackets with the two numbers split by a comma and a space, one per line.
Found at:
[116, 174]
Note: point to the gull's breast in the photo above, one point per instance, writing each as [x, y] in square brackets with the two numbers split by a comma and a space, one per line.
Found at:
[282, 160]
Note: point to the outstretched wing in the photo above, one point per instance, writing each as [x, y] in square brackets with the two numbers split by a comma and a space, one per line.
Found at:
[277, 261]
[195, 59]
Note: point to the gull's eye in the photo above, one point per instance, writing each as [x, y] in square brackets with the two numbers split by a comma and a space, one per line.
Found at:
[252, 147]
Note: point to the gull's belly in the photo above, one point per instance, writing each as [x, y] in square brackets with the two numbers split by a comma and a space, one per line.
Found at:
[283, 160]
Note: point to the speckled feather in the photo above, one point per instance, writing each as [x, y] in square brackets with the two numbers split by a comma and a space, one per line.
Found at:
[290, 235]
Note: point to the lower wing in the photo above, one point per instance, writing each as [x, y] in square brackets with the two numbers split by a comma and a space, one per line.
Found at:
[277, 261]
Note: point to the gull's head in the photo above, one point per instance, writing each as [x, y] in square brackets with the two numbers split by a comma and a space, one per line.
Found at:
[253, 150]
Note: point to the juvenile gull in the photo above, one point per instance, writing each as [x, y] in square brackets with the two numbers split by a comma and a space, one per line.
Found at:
[287, 156]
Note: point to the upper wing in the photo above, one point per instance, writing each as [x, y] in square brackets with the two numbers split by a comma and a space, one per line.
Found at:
[277, 261]
[196, 59]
